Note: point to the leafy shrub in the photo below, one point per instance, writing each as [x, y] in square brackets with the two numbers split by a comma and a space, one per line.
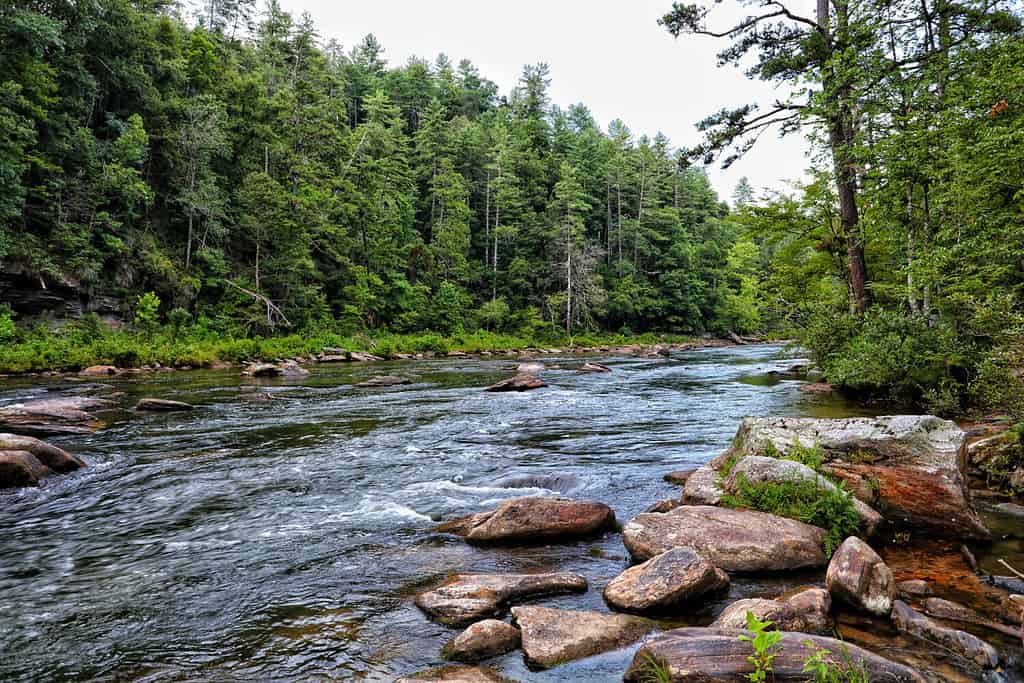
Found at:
[147, 311]
[806, 501]
[8, 330]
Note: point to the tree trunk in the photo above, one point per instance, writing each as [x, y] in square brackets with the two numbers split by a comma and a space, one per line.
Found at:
[911, 293]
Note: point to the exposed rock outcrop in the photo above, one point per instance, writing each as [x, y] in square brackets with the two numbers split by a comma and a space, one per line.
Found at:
[712, 655]
[53, 416]
[908, 467]
[466, 598]
[733, 540]
[521, 382]
[859, 577]
[555, 636]
[534, 519]
[664, 581]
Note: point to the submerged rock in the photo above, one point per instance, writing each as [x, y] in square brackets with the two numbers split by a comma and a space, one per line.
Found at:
[521, 382]
[665, 581]
[969, 647]
[555, 636]
[907, 467]
[806, 611]
[455, 673]
[758, 469]
[533, 519]
[710, 655]
[914, 587]
[484, 639]
[859, 577]
[385, 381]
[733, 540]
[466, 598]
[530, 368]
[594, 367]
[162, 405]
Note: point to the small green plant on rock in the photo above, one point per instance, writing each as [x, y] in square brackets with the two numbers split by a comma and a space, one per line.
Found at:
[829, 508]
[654, 671]
[766, 647]
[823, 669]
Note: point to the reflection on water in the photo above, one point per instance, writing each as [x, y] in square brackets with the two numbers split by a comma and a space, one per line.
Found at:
[281, 537]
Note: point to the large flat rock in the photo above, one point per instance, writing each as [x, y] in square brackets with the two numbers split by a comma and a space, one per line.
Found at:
[53, 416]
[555, 636]
[733, 540]
[534, 519]
[907, 467]
[716, 655]
[466, 598]
[455, 673]
[665, 581]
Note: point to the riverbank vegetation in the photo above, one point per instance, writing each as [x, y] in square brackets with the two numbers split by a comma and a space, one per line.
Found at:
[898, 261]
[260, 180]
[265, 183]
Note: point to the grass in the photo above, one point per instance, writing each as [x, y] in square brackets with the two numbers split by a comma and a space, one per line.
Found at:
[89, 342]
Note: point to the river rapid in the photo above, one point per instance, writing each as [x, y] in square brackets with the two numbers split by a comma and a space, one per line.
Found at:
[283, 539]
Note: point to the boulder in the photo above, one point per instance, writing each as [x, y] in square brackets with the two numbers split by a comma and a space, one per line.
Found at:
[665, 505]
[664, 581]
[162, 405]
[484, 639]
[907, 467]
[521, 382]
[733, 540]
[712, 655]
[534, 519]
[555, 636]
[702, 487]
[288, 368]
[385, 381]
[970, 647]
[594, 367]
[758, 469]
[53, 458]
[99, 371]
[20, 468]
[53, 416]
[455, 673]
[859, 577]
[466, 598]
[806, 611]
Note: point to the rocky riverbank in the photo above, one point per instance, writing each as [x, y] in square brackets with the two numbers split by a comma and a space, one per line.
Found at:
[906, 474]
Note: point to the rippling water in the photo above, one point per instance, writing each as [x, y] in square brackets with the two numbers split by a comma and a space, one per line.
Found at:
[283, 539]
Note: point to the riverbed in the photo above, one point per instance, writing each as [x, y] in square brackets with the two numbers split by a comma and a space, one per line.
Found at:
[280, 531]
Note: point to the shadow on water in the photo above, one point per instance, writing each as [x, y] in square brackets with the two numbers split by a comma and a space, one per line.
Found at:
[280, 537]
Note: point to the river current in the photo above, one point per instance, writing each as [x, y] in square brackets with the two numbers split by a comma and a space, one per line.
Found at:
[283, 539]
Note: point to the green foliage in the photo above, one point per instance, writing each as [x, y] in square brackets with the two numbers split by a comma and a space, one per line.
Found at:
[811, 456]
[803, 500]
[147, 311]
[823, 668]
[8, 331]
[766, 647]
[654, 671]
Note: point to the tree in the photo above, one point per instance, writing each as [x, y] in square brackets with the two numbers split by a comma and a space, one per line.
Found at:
[200, 141]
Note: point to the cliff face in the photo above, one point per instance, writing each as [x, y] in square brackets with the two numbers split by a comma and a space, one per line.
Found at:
[39, 299]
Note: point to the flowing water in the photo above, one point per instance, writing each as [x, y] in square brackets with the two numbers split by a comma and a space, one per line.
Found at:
[283, 539]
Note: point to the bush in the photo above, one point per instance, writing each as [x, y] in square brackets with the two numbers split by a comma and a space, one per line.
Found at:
[147, 311]
[8, 331]
[830, 509]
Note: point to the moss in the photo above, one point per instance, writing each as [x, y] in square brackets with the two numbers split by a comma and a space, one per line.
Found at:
[830, 509]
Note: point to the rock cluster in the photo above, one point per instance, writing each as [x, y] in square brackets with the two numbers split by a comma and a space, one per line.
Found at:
[25, 460]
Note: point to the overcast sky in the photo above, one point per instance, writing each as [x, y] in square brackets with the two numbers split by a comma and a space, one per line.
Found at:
[611, 56]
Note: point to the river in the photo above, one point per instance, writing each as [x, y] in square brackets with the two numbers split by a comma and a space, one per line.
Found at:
[283, 539]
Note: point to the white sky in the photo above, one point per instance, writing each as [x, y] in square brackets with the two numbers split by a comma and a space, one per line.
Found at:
[611, 56]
